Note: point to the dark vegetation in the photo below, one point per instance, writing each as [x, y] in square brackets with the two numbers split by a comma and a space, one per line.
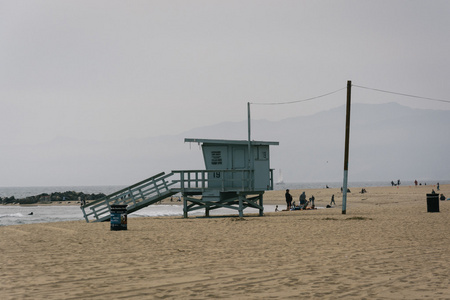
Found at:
[53, 197]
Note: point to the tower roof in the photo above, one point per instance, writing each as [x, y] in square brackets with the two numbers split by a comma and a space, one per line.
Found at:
[229, 142]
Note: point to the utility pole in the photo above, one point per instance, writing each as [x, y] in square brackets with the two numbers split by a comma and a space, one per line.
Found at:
[249, 132]
[250, 158]
[347, 139]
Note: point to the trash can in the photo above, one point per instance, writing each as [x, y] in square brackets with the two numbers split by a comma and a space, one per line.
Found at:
[118, 217]
[432, 202]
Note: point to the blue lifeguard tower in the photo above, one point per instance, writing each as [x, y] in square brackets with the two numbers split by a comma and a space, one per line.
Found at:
[236, 175]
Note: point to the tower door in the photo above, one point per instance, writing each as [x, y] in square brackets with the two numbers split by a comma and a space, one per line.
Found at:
[262, 168]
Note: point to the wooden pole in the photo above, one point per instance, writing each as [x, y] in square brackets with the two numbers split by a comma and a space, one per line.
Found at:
[185, 207]
[347, 139]
[250, 158]
[249, 131]
[241, 206]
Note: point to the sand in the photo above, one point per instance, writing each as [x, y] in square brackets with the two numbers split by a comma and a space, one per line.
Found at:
[387, 246]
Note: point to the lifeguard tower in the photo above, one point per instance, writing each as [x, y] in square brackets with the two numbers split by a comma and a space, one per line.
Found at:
[236, 175]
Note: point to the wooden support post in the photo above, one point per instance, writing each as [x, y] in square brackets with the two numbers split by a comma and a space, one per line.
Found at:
[185, 208]
[261, 210]
[241, 206]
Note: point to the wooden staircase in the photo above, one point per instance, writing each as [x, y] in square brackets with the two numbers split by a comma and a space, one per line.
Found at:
[136, 196]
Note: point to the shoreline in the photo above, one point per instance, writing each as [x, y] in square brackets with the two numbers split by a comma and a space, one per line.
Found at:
[276, 197]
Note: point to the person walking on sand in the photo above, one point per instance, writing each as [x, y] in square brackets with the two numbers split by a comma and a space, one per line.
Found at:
[332, 200]
[288, 199]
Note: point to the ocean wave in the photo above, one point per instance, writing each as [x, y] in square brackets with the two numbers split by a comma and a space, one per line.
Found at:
[14, 215]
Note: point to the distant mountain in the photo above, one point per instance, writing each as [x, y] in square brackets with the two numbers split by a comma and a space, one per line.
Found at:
[387, 142]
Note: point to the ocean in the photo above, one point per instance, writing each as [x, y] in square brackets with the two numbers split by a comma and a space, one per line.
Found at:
[16, 215]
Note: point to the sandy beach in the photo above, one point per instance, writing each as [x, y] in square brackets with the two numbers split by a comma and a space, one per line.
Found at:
[387, 246]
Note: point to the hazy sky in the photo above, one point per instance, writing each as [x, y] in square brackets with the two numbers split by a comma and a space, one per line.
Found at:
[109, 70]
[114, 70]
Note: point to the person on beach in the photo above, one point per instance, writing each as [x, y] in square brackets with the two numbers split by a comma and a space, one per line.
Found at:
[288, 199]
[438, 186]
[302, 199]
[311, 200]
[304, 206]
[332, 200]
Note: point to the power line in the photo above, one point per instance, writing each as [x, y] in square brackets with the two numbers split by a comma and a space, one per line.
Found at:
[401, 94]
[297, 101]
[358, 86]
